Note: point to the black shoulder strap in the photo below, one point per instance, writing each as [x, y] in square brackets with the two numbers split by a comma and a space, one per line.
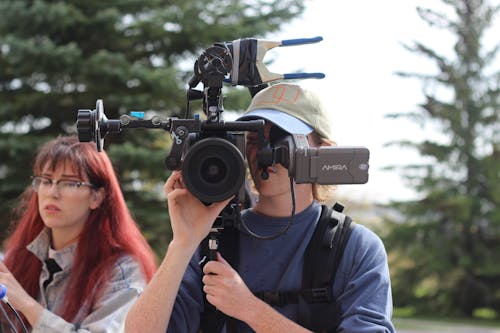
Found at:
[318, 310]
[212, 320]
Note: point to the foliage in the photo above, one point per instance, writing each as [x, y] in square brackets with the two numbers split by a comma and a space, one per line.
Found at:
[446, 249]
[58, 57]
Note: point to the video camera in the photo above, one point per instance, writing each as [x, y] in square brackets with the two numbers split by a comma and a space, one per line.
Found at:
[211, 152]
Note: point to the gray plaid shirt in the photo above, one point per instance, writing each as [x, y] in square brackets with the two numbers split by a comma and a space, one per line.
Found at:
[107, 313]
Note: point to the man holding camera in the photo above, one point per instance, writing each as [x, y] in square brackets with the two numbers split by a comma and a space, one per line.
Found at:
[270, 250]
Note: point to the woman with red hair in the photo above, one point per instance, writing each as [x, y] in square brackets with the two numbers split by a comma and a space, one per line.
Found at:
[76, 260]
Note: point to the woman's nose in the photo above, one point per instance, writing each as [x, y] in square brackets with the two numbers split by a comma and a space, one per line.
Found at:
[53, 190]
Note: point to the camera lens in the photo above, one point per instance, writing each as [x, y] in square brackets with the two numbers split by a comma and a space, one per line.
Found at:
[213, 169]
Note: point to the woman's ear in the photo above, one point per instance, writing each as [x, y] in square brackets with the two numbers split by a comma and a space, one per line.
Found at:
[97, 198]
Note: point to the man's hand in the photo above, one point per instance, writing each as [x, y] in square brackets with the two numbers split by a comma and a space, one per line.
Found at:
[226, 290]
[191, 219]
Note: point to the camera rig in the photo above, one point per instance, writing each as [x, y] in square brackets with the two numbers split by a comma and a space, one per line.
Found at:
[211, 152]
[215, 146]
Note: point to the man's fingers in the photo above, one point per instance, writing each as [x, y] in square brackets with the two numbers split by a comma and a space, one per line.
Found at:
[221, 259]
[213, 267]
[217, 267]
[174, 181]
[220, 205]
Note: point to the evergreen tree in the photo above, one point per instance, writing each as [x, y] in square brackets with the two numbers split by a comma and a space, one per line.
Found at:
[57, 57]
[445, 252]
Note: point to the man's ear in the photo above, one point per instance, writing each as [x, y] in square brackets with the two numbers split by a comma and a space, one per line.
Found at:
[326, 143]
[97, 198]
[316, 141]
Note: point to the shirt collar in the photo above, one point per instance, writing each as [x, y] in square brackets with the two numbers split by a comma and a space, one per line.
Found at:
[40, 248]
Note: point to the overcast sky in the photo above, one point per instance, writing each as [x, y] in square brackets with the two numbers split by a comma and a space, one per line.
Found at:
[360, 52]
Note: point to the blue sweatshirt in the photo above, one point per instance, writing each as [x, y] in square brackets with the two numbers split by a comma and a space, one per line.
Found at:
[362, 284]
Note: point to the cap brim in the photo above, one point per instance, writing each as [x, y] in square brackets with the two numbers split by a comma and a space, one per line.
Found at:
[283, 120]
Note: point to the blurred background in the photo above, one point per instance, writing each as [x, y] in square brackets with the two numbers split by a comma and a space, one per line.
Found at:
[417, 82]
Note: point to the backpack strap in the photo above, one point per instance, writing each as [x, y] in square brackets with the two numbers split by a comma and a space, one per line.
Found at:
[318, 310]
[212, 320]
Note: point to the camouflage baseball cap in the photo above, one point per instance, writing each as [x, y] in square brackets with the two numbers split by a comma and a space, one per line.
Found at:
[291, 107]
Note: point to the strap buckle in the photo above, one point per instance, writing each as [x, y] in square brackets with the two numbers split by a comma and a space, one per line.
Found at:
[318, 295]
[272, 298]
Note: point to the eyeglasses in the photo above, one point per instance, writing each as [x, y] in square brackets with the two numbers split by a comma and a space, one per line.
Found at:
[64, 187]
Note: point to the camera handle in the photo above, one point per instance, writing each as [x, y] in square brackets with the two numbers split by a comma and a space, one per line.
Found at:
[213, 243]
[229, 217]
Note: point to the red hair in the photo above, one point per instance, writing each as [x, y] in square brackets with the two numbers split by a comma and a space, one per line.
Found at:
[109, 233]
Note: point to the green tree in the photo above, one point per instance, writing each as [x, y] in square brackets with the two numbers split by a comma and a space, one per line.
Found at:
[445, 249]
[57, 57]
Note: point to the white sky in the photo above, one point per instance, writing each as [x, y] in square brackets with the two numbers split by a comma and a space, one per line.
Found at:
[360, 51]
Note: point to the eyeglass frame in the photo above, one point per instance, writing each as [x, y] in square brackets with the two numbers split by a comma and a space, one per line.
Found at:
[77, 184]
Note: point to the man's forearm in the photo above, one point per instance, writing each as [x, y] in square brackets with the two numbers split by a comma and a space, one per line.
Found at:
[151, 313]
[263, 318]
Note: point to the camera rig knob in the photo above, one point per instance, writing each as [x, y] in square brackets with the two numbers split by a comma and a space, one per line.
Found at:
[84, 126]
[93, 125]
[89, 124]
